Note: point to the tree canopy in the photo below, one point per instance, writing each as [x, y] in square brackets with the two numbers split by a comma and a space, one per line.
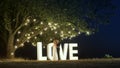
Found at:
[45, 20]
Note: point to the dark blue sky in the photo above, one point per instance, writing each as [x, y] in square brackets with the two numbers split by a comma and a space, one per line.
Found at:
[105, 41]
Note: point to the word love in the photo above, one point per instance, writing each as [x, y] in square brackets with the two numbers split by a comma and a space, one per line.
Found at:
[63, 51]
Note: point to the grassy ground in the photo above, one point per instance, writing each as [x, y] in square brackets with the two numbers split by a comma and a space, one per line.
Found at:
[83, 63]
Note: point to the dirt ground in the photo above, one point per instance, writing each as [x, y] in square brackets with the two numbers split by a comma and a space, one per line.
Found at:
[82, 63]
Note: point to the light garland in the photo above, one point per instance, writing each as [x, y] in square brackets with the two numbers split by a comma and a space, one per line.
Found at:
[69, 32]
[35, 37]
[28, 20]
[28, 37]
[56, 32]
[88, 33]
[41, 33]
[12, 53]
[32, 32]
[41, 23]
[16, 47]
[19, 32]
[45, 29]
[79, 32]
[18, 40]
[34, 20]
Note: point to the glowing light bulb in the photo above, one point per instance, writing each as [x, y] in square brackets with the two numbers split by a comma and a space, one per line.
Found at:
[35, 37]
[41, 23]
[61, 35]
[49, 24]
[54, 28]
[41, 33]
[79, 32]
[45, 28]
[16, 47]
[28, 41]
[19, 32]
[25, 35]
[69, 32]
[33, 44]
[28, 37]
[50, 39]
[22, 44]
[88, 33]
[56, 24]
[28, 20]
[56, 32]
[36, 28]
[69, 23]
[18, 40]
[73, 28]
[26, 24]
[28, 34]
[32, 32]
[12, 53]
[34, 20]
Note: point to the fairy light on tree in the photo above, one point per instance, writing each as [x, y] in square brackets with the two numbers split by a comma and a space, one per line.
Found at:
[27, 23]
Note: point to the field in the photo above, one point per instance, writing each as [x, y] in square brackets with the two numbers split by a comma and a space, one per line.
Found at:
[82, 63]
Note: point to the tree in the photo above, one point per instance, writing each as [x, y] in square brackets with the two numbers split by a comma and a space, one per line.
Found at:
[45, 20]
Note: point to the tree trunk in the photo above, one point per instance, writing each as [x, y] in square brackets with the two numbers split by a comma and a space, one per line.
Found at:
[10, 47]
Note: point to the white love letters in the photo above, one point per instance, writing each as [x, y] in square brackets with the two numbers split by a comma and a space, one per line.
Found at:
[68, 48]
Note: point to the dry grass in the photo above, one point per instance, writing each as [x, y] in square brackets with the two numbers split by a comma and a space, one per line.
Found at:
[82, 63]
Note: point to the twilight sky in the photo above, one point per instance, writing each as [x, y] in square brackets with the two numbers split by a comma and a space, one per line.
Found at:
[105, 41]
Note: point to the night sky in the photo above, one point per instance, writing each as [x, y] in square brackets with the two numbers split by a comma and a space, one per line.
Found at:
[105, 41]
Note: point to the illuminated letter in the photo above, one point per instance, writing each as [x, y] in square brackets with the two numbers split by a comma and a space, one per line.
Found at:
[49, 51]
[63, 53]
[39, 52]
[71, 51]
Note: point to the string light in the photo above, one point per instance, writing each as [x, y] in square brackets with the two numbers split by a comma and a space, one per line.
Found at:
[34, 20]
[19, 32]
[61, 35]
[73, 28]
[22, 44]
[25, 35]
[28, 20]
[33, 44]
[69, 23]
[45, 28]
[28, 34]
[36, 28]
[28, 37]
[79, 32]
[12, 53]
[32, 32]
[28, 41]
[18, 40]
[69, 32]
[88, 33]
[41, 23]
[26, 24]
[56, 32]
[41, 33]
[35, 37]
[56, 24]
[43, 46]
[54, 28]
[51, 39]
[49, 24]
[16, 47]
